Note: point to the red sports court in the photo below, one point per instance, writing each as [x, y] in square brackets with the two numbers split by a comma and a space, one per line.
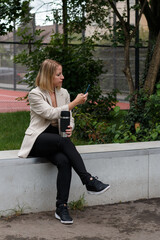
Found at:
[9, 101]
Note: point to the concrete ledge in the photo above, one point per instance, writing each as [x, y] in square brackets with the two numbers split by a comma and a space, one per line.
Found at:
[132, 170]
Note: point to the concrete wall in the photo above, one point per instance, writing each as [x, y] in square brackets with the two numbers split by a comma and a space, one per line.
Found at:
[132, 170]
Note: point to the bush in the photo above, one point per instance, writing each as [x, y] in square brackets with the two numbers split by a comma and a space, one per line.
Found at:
[145, 112]
[102, 122]
[100, 107]
[79, 66]
[93, 120]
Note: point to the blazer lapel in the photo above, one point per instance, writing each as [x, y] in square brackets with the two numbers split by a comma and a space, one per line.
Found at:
[47, 95]
[59, 97]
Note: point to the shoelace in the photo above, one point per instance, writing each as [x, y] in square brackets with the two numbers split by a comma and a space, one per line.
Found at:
[93, 180]
[65, 210]
[97, 181]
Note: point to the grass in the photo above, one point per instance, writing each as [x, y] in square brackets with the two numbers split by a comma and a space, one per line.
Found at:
[13, 126]
[12, 129]
[79, 204]
[12, 213]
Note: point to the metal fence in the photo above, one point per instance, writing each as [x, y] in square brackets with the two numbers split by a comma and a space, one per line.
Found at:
[11, 74]
[113, 61]
[113, 58]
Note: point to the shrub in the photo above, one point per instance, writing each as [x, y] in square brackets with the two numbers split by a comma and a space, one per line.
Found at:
[100, 107]
[79, 66]
[93, 120]
[144, 111]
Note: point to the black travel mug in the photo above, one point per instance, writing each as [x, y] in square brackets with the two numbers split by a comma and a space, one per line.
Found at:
[64, 122]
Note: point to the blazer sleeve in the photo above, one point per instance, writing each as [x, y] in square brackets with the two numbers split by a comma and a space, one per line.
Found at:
[40, 106]
[72, 119]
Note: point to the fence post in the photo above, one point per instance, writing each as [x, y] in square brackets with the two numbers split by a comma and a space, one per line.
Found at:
[114, 54]
[14, 54]
[136, 51]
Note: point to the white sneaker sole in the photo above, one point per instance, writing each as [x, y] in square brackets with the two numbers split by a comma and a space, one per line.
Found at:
[97, 193]
[64, 222]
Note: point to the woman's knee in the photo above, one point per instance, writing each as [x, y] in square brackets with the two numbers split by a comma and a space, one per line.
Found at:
[61, 160]
[66, 143]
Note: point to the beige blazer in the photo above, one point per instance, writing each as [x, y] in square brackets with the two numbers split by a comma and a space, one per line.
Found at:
[42, 113]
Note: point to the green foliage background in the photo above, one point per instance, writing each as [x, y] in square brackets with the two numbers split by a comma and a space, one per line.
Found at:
[10, 11]
[79, 66]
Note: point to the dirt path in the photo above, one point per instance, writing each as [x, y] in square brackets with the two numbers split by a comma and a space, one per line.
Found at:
[138, 220]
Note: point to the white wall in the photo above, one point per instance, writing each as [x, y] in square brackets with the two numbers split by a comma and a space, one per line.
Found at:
[131, 169]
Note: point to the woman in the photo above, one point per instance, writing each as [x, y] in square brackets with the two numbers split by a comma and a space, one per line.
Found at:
[42, 137]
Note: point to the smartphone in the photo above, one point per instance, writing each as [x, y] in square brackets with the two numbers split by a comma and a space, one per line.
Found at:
[87, 88]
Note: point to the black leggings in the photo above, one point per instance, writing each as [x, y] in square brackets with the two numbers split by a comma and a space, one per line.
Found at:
[61, 152]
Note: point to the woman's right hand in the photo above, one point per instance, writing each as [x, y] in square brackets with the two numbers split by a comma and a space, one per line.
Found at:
[81, 98]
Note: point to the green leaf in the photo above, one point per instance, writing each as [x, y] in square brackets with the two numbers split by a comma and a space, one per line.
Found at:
[158, 92]
[134, 138]
[138, 129]
[154, 135]
[158, 86]
[116, 109]
[116, 136]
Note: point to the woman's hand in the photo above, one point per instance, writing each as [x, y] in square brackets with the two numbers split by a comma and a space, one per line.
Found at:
[69, 131]
[81, 98]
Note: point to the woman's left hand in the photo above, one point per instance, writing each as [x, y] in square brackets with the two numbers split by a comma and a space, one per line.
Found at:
[69, 131]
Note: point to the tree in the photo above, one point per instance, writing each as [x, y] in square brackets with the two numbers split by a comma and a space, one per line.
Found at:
[77, 61]
[153, 69]
[124, 32]
[11, 11]
[129, 33]
[152, 14]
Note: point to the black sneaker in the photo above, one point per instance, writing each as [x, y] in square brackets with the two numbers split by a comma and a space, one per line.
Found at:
[62, 214]
[95, 186]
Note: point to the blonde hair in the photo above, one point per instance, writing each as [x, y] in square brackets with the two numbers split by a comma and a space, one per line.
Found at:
[47, 71]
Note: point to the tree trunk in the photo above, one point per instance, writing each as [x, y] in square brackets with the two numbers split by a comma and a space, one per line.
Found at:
[153, 68]
[127, 69]
[152, 14]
